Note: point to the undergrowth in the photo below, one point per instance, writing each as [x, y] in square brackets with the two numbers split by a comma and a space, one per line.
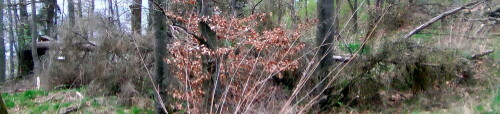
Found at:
[58, 101]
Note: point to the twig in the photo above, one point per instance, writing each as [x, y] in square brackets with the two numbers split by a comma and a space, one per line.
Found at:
[477, 56]
[253, 8]
[441, 16]
[199, 38]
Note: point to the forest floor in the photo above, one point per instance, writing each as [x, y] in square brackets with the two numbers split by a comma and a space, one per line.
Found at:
[22, 97]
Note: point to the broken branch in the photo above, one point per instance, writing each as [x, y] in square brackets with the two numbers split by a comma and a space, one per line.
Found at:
[439, 17]
[477, 56]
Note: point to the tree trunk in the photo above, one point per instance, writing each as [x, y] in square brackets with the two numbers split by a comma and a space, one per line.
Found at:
[23, 12]
[354, 6]
[150, 18]
[379, 3]
[24, 65]
[3, 109]
[325, 37]
[71, 12]
[11, 40]
[163, 78]
[338, 4]
[237, 7]
[80, 9]
[136, 16]
[212, 87]
[2, 45]
[50, 20]
[110, 6]
[34, 36]
[293, 15]
[117, 15]
[92, 7]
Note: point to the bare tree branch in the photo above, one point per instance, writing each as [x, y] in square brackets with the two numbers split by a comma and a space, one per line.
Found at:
[439, 17]
[477, 56]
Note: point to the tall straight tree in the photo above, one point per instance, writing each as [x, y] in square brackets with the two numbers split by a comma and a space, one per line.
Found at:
[2, 44]
[117, 15]
[71, 11]
[50, 12]
[212, 87]
[80, 9]
[293, 14]
[3, 109]
[136, 16]
[150, 18]
[34, 36]
[353, 4]
[163, 78]
[11, 39]
[23, 36]
[110, 6]
[92, 7]
[23, 13]
[325, 37]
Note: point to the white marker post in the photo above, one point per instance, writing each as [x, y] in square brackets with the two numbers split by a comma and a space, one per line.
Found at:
[38, 82]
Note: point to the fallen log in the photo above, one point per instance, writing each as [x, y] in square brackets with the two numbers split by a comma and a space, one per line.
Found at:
[477, 56]
[341, 59]
[439, 17]
[51, 44]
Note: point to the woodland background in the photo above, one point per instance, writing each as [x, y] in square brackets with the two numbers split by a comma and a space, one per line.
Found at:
[250, 56]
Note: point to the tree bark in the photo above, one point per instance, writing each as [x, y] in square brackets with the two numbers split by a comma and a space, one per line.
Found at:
[212, 87]
[50, 20]
[80, 9]
[23, 14]
[237, 7]
[150, 18]
[353, 4]
[336, 23]
[2, 45]
[163, 78]
[3, 109]
[11, 40]
[325, 37]
[110, 6]
[293, 14]
[22, 36]
[71, 12]
[34, 36]
[117, 15]
[92, 7]
[136, 16]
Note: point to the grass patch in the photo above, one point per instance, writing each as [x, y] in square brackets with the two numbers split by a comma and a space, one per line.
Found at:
[422, 36]
[353, 47]
[38, 102]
